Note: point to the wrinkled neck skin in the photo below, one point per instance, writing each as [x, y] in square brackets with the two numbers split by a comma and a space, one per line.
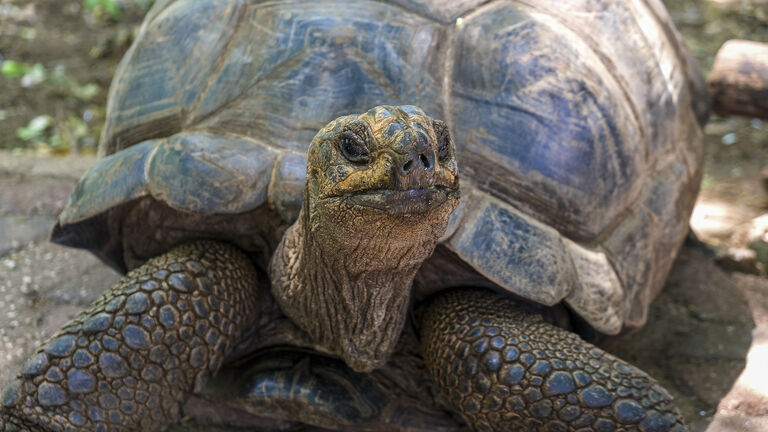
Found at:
[347, 280]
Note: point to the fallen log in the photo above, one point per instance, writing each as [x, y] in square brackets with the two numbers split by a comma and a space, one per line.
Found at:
[738, 83]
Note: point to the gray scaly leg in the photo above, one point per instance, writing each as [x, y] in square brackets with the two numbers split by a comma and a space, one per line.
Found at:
[504, 369]
[130, 360]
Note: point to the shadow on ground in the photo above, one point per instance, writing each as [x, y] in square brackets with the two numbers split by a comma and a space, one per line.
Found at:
[697, 337]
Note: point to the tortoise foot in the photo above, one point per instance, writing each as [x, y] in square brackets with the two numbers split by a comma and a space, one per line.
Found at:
[134, 356]
[503, 369]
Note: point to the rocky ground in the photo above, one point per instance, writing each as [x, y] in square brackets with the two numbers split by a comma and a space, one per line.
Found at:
[42, 285]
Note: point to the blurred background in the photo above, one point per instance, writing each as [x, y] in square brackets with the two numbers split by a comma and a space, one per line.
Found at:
[58, 58]
[707, 330]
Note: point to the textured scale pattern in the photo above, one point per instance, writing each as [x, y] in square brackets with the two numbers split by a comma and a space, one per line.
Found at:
[132, 358]
[504, 369]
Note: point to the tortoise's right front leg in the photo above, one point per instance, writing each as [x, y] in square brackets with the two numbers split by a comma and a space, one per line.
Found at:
[133, 357]
[502, 368]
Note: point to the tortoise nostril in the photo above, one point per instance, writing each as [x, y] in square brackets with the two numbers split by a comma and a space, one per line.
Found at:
[411, 163]
[425, 161]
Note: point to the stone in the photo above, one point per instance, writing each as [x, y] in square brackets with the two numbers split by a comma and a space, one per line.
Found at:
[739, 260]
[757, 238]
[22, 229]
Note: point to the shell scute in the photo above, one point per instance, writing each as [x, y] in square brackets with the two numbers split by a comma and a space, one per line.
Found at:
[285, 193]
[556, 139]
[112, 181]
[211, 174]
[514, 251]
[166, 70]
[292, 70]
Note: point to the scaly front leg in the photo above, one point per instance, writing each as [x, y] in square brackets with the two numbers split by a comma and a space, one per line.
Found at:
[133, 357]
[504, 369]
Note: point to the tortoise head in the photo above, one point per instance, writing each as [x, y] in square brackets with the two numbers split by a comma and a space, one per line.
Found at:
[390, 162]
[381, 187]
[387, 176]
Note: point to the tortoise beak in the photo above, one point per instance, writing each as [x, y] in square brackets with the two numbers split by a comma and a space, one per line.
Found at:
[408, 201]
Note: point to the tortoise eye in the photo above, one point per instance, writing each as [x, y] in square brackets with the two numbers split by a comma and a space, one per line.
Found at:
[353, 150]
[443, 141]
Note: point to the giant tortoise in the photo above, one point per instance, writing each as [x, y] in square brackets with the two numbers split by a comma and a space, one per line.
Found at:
[347, 279]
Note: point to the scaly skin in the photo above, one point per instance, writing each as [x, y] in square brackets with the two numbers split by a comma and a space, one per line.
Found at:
[134, 356]
[370, 217]
[504, 369]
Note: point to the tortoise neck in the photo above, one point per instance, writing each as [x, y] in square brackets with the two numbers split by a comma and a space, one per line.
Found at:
[349, 291]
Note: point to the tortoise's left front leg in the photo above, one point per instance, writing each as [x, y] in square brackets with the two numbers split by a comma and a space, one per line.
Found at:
[133, 357]
[504, 369]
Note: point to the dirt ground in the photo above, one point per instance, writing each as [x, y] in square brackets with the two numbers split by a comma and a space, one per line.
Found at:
[78, 49]
[707, 337]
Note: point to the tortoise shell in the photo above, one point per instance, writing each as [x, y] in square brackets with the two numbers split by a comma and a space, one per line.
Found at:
[577, 127]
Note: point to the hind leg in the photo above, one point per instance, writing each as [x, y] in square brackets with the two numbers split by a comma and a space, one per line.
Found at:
[133, 357]
[503, 369]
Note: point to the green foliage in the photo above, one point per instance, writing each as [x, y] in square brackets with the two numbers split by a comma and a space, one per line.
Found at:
[112, 9]
[31, 75]
[144, 4]
[104, 7]
[69, 134]
[47, 135]
[14, 69]
[707, 24]
[35, 129]
[60, 82]
[57, 80]
[60, 135]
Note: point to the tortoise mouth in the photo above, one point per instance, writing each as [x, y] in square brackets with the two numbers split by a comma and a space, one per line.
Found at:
[391, 201]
